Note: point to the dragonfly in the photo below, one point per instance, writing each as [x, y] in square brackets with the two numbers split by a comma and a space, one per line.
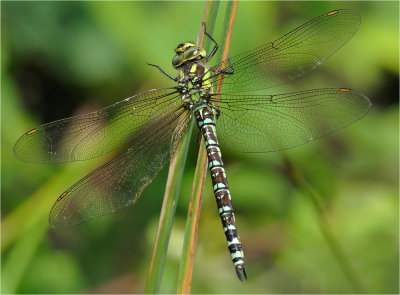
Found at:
[146, 129]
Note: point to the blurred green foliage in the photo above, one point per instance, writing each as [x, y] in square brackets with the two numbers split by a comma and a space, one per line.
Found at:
[63, 58]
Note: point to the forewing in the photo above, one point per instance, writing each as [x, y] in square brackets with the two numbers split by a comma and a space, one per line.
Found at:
[120, 182]
[264, 123]
[291, 56]
[87, 136]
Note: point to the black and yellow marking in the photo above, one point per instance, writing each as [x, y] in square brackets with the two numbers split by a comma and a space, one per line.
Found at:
[205, 118]
[184, 46]
[345, 90]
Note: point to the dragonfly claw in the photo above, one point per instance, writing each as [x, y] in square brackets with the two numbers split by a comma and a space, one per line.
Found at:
[239, 274]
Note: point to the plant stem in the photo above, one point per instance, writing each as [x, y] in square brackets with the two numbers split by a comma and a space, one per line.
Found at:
[167, 214]
[193, 216]
[300, 181]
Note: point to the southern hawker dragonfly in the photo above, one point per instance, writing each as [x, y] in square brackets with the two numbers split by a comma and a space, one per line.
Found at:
[146, 128]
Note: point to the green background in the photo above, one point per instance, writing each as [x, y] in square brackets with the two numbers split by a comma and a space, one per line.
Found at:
[59, 59]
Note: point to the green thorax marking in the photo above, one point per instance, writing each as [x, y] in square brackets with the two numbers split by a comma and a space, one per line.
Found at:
[194, 84]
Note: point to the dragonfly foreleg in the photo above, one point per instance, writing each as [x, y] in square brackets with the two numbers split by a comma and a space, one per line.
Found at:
[214, 50]
[228, 72]
[164, 72]
[225, 71]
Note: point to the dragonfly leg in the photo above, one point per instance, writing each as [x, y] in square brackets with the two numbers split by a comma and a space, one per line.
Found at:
[164, 72]
[228, 72]
[224, 71]
[212, 39]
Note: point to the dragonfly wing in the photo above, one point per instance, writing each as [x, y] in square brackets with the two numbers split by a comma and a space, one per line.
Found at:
[87, 136]
[291, 56]
[264, 123]
[121, 181]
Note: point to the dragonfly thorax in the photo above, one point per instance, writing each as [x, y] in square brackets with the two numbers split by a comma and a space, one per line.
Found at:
[194, 84]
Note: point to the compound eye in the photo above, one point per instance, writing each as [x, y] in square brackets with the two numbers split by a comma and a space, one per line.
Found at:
[177, 61]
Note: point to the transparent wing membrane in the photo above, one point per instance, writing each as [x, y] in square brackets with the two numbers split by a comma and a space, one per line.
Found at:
[291, 56]
[120, 182]
[87, 136]
[265, 123]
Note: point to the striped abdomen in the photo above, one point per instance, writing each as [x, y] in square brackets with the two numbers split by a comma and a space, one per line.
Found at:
[205, 119]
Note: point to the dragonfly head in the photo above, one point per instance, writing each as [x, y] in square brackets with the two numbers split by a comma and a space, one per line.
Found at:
[186, 52]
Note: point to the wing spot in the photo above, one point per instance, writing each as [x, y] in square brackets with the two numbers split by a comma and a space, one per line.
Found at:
[332, 12]
[31, 131]
[62, 196]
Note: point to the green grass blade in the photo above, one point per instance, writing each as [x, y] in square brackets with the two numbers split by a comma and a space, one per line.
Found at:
[189, 244]
[173, 184]
[193, 216]
[300, 181]
[209, 18]
[20, 256]
[167, 214]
